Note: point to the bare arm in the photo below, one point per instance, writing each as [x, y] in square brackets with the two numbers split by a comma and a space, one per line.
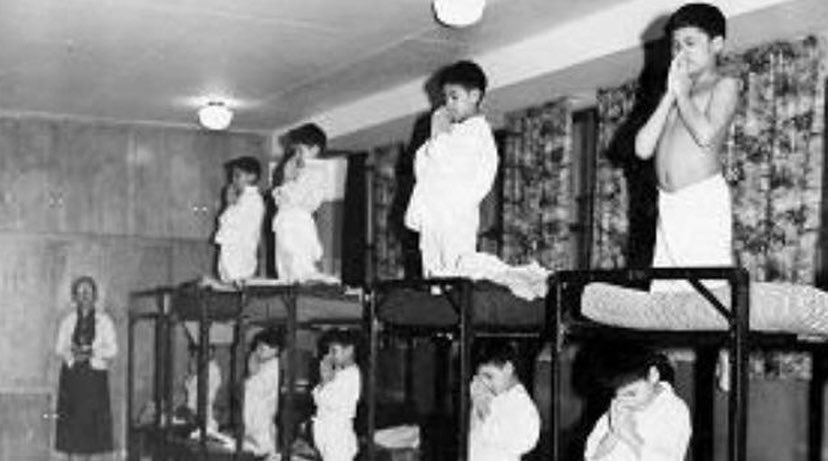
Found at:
[648, 136]
[708, 129]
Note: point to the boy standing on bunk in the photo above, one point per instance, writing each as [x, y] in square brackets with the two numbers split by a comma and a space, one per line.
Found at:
[239, 225]
[504, 423]
[646, 420]
[298, 194]
[686, 133]
[336, 398]
[454, 171]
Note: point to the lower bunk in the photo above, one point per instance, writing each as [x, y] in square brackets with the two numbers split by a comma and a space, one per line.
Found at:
[455, 310]
[719, 308]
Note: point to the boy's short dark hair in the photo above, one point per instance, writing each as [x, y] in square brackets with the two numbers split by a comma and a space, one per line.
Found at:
[270, 336]
[308, 134]
[248, 164]
[630, 362]
[704, 16]
[466, 74]
[496, 352]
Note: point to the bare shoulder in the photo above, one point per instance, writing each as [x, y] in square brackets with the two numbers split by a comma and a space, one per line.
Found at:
[726, 88]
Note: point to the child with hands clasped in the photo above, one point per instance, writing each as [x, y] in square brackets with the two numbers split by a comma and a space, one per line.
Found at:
[646, 420]
[454, 170]
[685, 134]
[504, 423]
[261, 394]
[336, 398]
[299, 193]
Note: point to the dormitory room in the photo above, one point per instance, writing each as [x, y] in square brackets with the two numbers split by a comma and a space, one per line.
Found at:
[413, 230]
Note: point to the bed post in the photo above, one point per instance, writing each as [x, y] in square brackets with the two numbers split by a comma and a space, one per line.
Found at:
[373, 328]
[203, 371]
[237, 404]
[130, 378]
[466, 334]
[740, 323]
[287, 429]
[165, 411]
[553, 312]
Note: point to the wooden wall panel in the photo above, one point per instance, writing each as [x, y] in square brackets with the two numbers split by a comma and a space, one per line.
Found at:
[93, 174]
[29, 191]
[150, 177]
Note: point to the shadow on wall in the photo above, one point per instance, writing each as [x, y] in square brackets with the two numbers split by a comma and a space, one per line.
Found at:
[639, 174]
[404, 174]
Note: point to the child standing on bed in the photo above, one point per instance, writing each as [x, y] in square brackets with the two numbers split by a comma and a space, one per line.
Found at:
[454, 171]
[239, 225]
[686, 133]
[504, 423]
[261, 394]
[336, 398]
[646, 420]
[298, 195]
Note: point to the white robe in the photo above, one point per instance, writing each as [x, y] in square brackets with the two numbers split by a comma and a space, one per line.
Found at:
[695, 229]
[261, 402]
[238, 236]
[454, 171]
[333, 427]
[664, 426]
[297, 241]
[509, 431]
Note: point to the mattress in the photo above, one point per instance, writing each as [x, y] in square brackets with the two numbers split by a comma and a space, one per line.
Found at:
[494, 306]
[774, 307]
[314, 303]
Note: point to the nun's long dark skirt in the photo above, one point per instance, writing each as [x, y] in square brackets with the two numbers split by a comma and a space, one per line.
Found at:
[84, 422]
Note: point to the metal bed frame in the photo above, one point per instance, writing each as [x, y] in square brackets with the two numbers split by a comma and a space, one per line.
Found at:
[737, 338]
[459, 293]
[201, 308]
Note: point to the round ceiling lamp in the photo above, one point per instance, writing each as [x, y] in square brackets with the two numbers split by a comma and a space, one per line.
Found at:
[458, 13]
[215, 116]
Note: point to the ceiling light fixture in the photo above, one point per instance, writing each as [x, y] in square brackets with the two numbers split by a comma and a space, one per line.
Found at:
[458, 13]
[215, 116]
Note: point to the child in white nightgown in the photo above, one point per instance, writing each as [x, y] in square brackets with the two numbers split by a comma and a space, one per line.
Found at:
[297, 197]
[504, 423]
[454, 171]
[646, 420]
[336, 398]
[261, 394]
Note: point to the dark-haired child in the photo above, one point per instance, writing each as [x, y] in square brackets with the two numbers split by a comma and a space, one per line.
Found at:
[454, 171]
[239, 225]
[298, 195]
[646, 420]
[685, 133]
[261, 394]
[336, 398]
[504, 423]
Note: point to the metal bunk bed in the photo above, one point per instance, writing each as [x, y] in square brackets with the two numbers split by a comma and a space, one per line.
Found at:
[293, 306]
[742, 309]
[445, 305]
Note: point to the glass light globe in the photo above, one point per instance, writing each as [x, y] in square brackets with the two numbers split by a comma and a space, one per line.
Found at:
[215, 116]
[459, 13]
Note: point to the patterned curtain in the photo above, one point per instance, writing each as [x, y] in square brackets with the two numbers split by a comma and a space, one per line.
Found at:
[774, 160]
[537, 186]
[610, 198]
[387, 215]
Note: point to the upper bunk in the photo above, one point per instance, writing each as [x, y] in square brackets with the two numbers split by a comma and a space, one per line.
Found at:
[709, 301]
[256, 301]
[422, 305]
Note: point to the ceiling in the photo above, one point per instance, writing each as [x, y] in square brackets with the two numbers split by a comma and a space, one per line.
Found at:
[275, 61]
